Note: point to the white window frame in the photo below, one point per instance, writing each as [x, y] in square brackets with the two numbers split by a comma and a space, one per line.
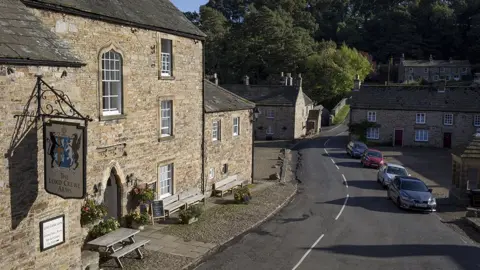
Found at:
[166, 118]
[421, 135]
[269, 130]
[425, 70]
[270, 114]
[211, 173]
[165, 174]
[456, 77]
[216, 128]
[448, 119]
[476, 120]
[166, 59]
[436, 77]
[373, 133]
[236, 126]
[410, 69]
[112, 77]
[426, 78]
[371, 116]
[420, 118]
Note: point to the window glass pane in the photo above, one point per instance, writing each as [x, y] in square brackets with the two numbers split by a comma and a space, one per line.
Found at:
[113, 103]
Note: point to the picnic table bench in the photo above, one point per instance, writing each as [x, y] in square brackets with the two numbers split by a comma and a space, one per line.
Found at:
[227, 184]
[119, 243]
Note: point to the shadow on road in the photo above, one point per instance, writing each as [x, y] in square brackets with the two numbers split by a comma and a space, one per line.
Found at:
[337, 155]
[465, 256]
[350, 164]
[378, 204]
[365, 184]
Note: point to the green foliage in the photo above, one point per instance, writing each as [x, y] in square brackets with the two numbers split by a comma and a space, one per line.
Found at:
[104, 227]
[139, 218]
[242, 195]
[360, 129]
[193, 211]
[341, 115]
[143, 195]
[91, 212]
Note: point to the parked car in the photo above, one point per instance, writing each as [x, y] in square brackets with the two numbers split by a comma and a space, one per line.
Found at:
[388, 171]
[355, 148]
[411, 193]
[372, 158]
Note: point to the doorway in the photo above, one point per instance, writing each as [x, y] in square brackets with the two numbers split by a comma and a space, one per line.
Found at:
[447, 140]
[112, 196]
[398, 138]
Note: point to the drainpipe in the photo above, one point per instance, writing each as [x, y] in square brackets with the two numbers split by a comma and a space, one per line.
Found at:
[252, 113]
[203, 119]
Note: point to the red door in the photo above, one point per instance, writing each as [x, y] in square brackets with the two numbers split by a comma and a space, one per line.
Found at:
[447, 140]
[398, 137]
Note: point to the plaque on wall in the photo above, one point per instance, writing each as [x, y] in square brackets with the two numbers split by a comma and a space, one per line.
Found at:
[65, 159]
[52, 232]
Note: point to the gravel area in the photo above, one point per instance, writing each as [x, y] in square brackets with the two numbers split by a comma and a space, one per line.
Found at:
[220, 223]
[152, 260]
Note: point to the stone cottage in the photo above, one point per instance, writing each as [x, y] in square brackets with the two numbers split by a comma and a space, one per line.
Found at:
[283, 108]
[433, 70]
[402, 115]
[138, 75]
[228, 135]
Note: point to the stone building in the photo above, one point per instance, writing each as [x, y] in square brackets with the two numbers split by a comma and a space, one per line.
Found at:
[416, 115]
[138, 75]
[228, 135]
[283, 108]
[433, 70]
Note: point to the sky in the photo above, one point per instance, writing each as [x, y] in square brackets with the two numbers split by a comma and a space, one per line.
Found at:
[189, 5]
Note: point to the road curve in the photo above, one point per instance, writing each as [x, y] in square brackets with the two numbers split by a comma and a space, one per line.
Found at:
[324, 229]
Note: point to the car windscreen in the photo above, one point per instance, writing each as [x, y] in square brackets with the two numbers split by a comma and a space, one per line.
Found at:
[397, 171]
[360, 146]
[414, 186]
[374, 154]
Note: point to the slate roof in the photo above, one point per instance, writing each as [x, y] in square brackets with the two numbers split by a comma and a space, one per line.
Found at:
[308, 100]
[157, 15]
[417, 98]
[469, 150]
[218, 99]
[25, 41]
[266, 95]
[436, 63]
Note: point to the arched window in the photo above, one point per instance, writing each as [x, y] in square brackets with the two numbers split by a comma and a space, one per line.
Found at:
[112, 83]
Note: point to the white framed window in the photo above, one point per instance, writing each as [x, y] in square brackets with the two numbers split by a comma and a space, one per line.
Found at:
[448, 78]
[269, 130]
[442, 69]
[420, 118]
[456, 77]
[111, 83]
[476, 120]
[421, 135]
[436, 77]
[464, 70]
[425, 70]
[372, 116]
[166, 122]
[165, 181]
[425, 78]
[236, 126]
[216, 130]
[448, 119]
[410, 69]
[373, 133]
[270, 113]
[211, 173]
[166, 57]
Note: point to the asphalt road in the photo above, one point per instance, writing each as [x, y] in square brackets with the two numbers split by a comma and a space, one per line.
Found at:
[322, 229]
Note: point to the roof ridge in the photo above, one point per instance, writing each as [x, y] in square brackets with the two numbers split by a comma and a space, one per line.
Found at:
[230, 93]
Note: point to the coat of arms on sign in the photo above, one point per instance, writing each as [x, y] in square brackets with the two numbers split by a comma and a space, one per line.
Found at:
[64, 149]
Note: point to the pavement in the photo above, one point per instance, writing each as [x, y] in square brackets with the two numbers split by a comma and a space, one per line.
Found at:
[341, 219]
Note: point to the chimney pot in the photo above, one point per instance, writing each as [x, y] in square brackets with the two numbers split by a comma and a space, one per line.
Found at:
[246, 80]
[431, 58]
[300, 80]
[216, 78]
[450, 59]
[356, 83]
[281, 74]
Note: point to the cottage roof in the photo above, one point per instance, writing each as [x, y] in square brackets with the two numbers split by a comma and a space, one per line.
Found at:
[25, 41]
[436, 63]
[157, 15]
[308, 100]
[218, 99]
[266, 95]
[417, 98]
[471, 149]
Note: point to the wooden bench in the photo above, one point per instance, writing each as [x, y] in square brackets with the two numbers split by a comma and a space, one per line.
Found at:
[191, 196]
[227, 184]
[172, 204]
[127, 249]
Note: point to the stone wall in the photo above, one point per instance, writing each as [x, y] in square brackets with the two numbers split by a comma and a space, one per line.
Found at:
[462, 128]
[301, 116]
[283, 125]
[236, 151]
[129, 144]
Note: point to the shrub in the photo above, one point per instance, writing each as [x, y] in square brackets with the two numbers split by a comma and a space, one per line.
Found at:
[104, 227]
[91, 212]
[242, 195]
[143, 195]
[193, 211]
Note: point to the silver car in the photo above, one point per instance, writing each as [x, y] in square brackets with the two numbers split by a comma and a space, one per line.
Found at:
[388, 171]
[411, 193]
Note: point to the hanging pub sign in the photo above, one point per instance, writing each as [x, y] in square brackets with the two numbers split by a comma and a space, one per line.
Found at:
[65, 159]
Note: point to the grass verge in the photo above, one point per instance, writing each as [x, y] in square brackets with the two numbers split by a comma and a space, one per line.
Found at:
[340, 117]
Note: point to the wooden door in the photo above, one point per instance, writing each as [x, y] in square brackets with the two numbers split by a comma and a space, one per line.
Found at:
[447, 140]
[398, 137]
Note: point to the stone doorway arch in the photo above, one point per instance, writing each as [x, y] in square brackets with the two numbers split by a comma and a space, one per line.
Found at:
[113, 195]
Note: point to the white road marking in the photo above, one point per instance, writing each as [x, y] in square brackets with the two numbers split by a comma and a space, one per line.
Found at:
[343, 207]
[333, 161]
[308, 252]
[337, 167]
[324, 149]
[463, 240]
[345, 180]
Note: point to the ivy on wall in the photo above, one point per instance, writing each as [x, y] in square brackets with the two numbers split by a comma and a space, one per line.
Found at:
[360, 129]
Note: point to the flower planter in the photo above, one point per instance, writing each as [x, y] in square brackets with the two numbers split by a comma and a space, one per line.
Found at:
[137, 226]
[192, 220]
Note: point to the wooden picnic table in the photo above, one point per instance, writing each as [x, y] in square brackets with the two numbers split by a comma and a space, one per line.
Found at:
[119, 237]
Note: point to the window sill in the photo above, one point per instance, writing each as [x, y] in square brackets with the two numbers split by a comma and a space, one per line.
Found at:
[112, 117]
[373, 139]
[166, 78]
[421, 141]
[166, 138]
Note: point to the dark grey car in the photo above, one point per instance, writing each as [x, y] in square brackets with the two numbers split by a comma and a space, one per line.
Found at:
[411, 193]
[355, 148]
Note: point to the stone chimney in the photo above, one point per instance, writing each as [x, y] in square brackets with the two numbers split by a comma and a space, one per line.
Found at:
[215, 77]
[283, 79]
[246, 80]
[431, 58]
[289, 79]
[450, 59]
[299, 80]
[357, 83]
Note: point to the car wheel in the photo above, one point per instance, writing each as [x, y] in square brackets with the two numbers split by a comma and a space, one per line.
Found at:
[399, 203]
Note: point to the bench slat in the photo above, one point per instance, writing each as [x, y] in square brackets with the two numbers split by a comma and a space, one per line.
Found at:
[174, 205]
[129, 248]
[194, 199]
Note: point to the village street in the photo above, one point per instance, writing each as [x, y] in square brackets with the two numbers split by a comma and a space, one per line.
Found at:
[338, 224]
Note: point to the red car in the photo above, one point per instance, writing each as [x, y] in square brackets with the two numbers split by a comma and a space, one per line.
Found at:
[372, 158]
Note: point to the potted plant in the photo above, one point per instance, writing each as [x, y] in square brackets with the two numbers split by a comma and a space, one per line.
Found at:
[143, 195]
[190, 214]
[104, 227]
[242, 195]
[92, 213]
[137, 220]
